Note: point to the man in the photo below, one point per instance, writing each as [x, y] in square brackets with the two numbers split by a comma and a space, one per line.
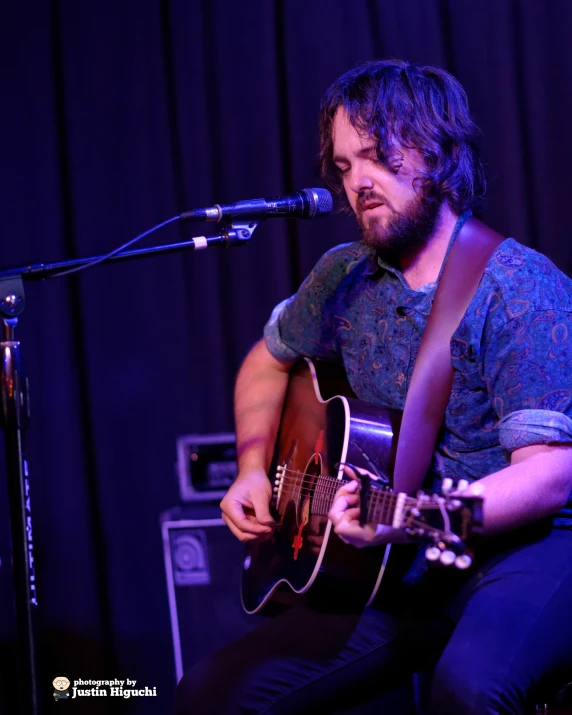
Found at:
[397, 141]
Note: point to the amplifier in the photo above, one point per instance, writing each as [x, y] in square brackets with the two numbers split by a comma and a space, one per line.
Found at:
[206, 465]
[203, 564]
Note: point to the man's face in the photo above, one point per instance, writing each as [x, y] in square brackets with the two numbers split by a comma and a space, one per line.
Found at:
[61, 683]
[392, 217]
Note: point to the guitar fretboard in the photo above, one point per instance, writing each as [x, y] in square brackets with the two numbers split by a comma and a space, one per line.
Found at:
[380, 507]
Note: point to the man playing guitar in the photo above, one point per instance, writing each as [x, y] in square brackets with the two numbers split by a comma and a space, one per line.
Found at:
[397, 142]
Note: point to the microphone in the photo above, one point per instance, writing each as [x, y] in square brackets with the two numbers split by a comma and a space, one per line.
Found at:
[307, 203]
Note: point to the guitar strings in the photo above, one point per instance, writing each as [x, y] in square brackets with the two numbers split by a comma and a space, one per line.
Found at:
[378, 494]
[323, 482]
[323, 490]
[379, 501]
[326, 479]
[325, 485]
[376, 510]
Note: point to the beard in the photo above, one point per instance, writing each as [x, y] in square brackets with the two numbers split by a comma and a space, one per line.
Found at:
[403, 233]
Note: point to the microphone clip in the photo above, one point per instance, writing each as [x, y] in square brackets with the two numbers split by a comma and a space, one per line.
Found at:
[238, 234]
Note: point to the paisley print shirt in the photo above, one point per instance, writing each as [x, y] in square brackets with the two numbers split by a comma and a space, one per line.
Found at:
[511, 353]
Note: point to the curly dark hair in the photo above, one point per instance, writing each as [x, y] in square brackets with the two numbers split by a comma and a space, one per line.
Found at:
[403, 105]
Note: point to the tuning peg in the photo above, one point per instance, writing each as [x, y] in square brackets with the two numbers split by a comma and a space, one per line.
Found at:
[446, 485]
[463, 562]
[433, 553]
[462, 484]
[448, 557]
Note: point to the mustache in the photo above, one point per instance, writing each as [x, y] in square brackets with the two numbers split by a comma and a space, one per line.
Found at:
[370, 197]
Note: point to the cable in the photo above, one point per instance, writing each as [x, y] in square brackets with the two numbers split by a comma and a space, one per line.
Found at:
[116, 250]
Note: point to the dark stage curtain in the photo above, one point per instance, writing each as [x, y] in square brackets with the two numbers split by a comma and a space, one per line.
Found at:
[118, 115]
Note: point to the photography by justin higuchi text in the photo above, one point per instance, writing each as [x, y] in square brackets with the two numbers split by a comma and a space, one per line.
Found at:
[66, 689]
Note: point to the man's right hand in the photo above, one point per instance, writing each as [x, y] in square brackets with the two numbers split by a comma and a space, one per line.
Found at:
[246, 506]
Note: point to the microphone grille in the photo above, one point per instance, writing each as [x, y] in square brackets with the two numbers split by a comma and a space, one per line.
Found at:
[320, 200]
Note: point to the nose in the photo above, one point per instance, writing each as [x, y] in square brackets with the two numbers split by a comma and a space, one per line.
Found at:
[360, 178]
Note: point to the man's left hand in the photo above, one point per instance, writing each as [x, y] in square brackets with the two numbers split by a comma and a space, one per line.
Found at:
[344, 514]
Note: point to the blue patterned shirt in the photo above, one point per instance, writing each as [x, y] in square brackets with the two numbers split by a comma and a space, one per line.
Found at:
[511, 353]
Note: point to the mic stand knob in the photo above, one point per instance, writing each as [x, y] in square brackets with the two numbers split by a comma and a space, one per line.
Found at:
[237, 234]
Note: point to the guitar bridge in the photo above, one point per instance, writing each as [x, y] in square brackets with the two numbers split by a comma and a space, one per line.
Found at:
[279, 483]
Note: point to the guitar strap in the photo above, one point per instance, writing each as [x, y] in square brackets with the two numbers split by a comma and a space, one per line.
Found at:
[432, 377]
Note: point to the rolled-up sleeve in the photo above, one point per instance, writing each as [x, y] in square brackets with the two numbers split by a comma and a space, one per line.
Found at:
[526, 427]
[303, 325]
[528, 377]
[273, 338]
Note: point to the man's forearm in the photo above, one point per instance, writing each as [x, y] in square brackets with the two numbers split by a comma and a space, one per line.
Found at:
[536, 484]
[258, 399]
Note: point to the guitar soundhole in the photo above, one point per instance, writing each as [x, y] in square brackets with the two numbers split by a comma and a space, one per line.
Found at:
[300, 532]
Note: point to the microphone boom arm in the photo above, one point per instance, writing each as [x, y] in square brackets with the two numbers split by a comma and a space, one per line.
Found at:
[235, 234]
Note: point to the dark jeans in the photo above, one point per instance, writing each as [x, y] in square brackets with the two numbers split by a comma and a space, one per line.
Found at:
[494, 637]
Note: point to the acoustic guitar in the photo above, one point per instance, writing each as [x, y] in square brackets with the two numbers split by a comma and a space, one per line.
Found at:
[322, 428]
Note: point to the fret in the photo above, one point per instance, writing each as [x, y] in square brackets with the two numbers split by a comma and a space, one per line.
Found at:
[324, 492]
[373, 510]
[380, 508]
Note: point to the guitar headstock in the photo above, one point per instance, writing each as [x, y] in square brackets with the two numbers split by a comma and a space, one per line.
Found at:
[447, 521]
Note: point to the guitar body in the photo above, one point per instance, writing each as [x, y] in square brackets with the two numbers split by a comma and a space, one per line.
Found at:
[322, 426]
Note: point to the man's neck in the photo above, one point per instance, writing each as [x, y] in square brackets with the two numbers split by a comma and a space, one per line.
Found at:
[423, 267]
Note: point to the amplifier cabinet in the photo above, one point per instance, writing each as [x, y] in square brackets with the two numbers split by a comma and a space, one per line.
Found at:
[203, 564]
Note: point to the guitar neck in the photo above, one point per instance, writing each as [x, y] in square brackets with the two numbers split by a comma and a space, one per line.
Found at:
[382, 506]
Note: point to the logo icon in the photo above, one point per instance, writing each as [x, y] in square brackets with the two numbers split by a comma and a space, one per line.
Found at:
[61, 685]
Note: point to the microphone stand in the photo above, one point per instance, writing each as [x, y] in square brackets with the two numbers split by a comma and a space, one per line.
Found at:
[15, 414]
